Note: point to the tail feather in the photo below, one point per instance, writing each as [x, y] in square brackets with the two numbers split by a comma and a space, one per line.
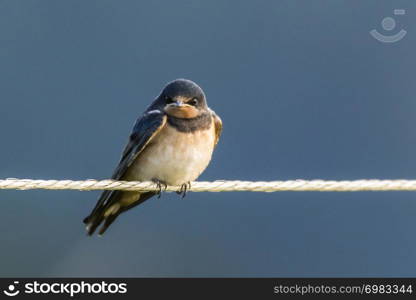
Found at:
[107, 222]
[108, 211]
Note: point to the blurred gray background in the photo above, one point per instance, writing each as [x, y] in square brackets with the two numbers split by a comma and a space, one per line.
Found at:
[304, 92]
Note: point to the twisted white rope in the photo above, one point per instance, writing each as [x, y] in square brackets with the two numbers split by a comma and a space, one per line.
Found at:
[217, 186]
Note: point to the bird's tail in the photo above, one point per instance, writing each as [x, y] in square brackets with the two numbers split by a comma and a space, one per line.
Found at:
[110, 205]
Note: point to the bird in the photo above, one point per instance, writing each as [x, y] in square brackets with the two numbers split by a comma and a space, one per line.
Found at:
[171, 143]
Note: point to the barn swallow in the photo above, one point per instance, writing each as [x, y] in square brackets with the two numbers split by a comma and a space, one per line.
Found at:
[171, 144]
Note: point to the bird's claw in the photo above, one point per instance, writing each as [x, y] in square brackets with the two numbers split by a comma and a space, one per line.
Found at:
[184, 189]
[160, 185]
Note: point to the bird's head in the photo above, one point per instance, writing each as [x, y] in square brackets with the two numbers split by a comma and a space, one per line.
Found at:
[183, 99]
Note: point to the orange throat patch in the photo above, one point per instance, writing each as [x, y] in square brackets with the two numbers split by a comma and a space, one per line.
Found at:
[184, 112]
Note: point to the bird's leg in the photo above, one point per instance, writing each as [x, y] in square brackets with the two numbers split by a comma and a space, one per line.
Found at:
[184, 189]
[160, 184]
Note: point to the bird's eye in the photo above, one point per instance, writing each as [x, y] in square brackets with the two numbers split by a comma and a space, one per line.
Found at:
[193, 102]
[168, 99]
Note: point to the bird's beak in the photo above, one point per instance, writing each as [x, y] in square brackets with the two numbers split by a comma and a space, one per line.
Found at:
[180, 109]
[178, 103]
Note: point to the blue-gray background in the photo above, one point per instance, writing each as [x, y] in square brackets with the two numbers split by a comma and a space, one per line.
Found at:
[304, 92]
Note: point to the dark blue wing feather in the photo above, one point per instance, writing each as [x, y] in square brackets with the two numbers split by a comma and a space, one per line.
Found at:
[143, 131]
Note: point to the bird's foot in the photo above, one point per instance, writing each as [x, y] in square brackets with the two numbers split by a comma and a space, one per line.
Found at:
[160, 185]
[184, 189]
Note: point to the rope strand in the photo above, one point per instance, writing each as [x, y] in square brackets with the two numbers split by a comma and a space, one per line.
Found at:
[216, 186]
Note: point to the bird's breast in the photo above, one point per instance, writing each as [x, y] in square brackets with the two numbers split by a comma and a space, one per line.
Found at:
[174, 157]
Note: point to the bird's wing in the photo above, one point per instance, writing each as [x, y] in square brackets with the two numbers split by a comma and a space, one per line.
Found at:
[145, 129]
[218, 126]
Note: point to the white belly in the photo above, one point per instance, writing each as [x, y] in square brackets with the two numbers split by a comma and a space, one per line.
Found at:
[174, 157]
